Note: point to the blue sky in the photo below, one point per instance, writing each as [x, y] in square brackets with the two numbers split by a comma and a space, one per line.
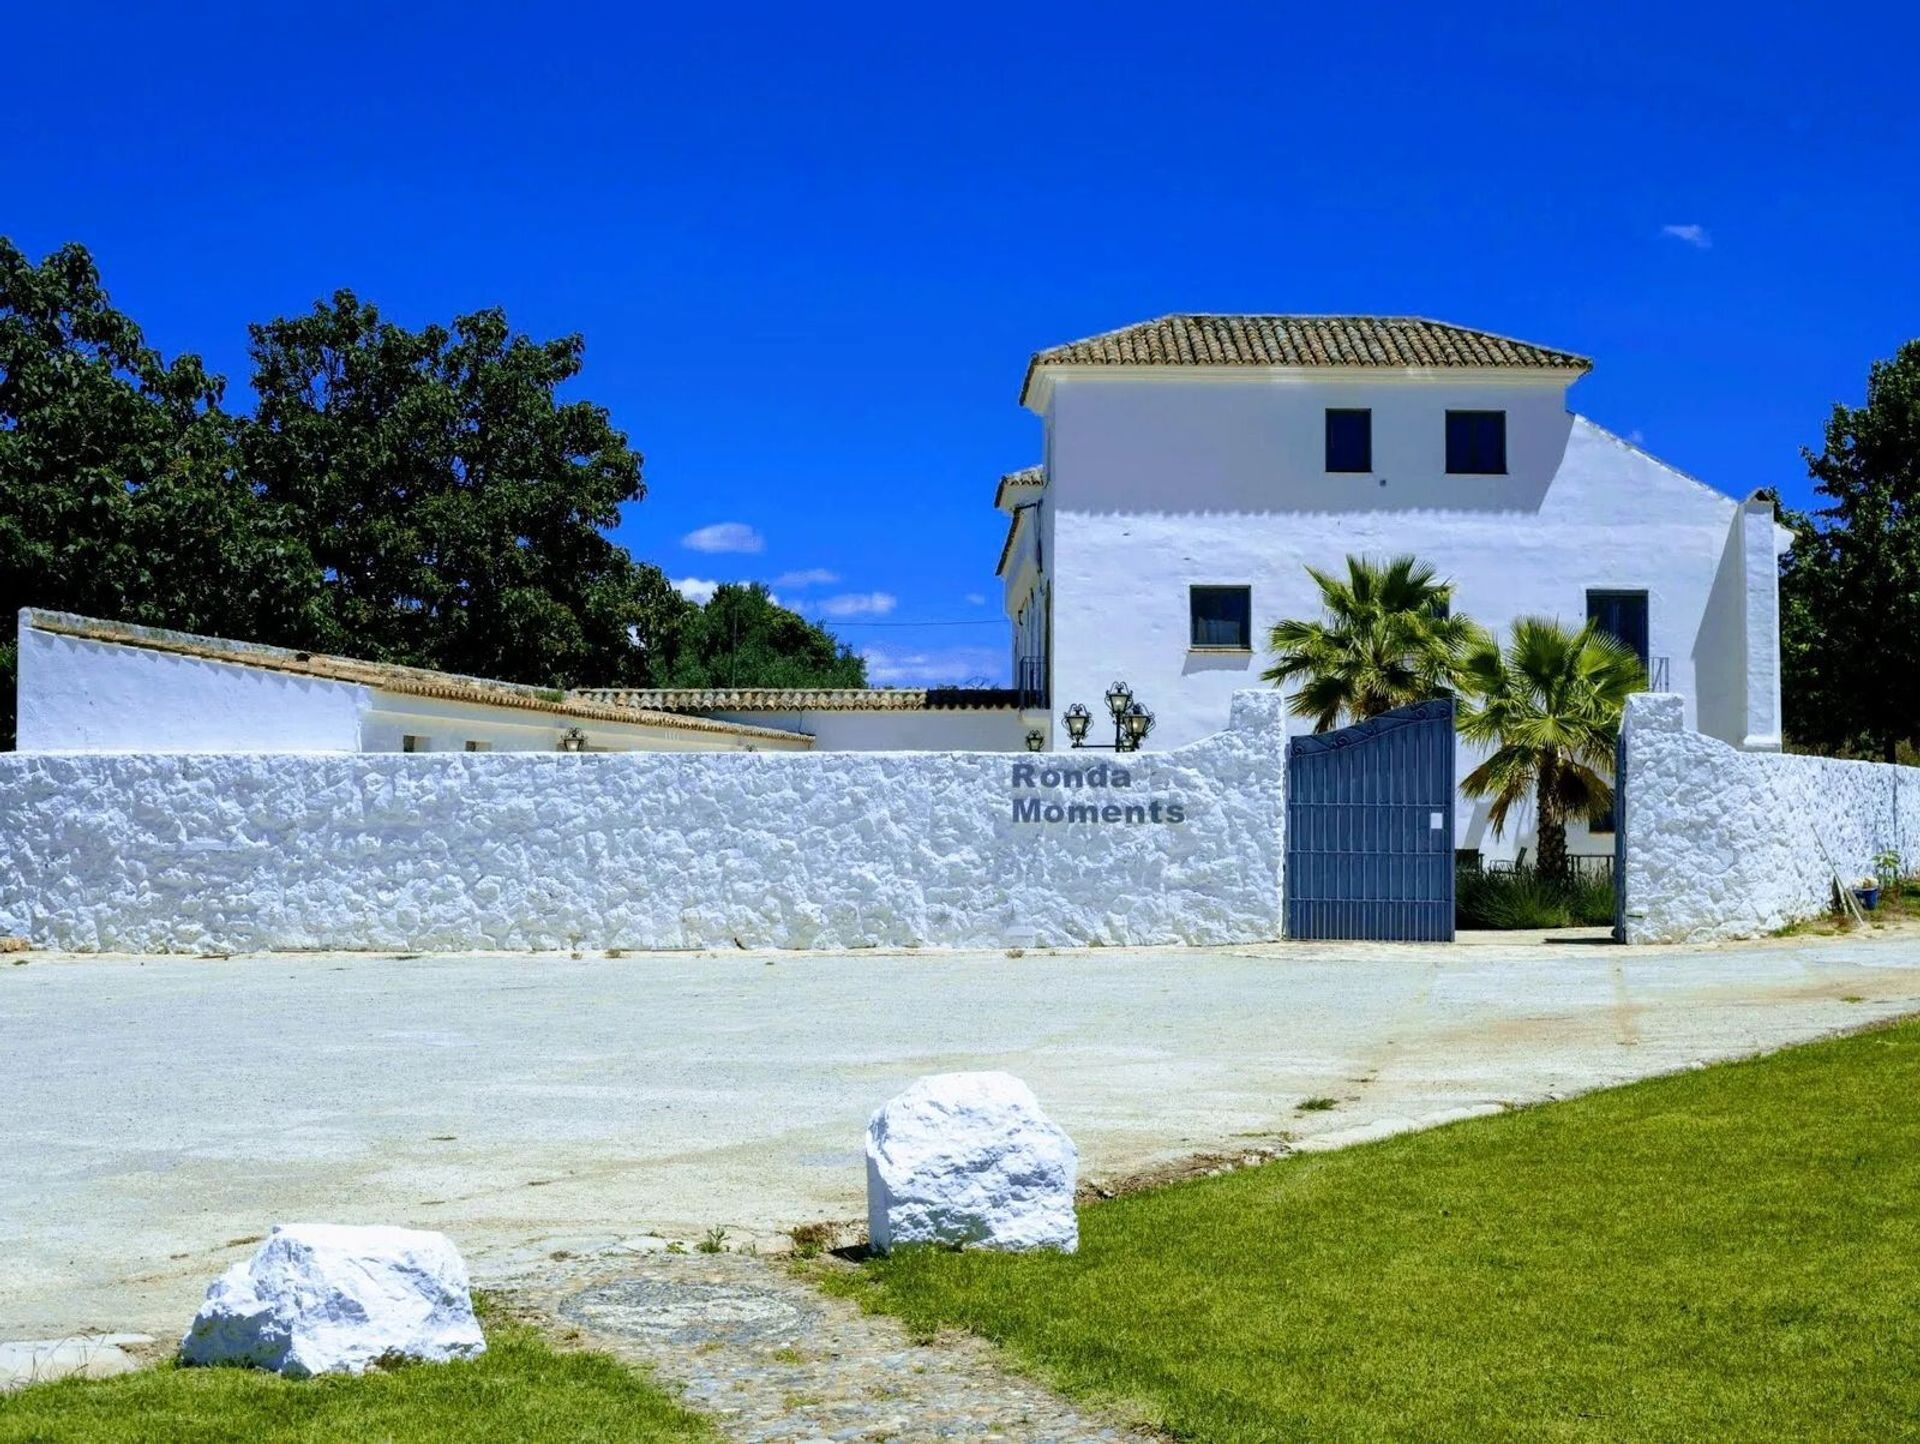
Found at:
[811, 248]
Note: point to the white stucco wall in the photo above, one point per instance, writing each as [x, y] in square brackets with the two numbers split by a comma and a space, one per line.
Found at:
[640, 850]
[83, 696]
[1723, 843]
[1159, 485]
[969, 729]
[447, 726]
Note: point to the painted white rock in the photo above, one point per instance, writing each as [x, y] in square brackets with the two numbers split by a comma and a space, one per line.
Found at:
[320, 1298]
[969, 1159]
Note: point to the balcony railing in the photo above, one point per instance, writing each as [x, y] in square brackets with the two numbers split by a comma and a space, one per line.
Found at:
[1656, 674]
[1030, 681]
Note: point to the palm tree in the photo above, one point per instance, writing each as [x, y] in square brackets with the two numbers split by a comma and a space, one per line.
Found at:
[1549, 704]
[1386, 640]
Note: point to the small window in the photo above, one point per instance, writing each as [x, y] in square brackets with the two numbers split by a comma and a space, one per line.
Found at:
[411, 743]
[1349, 440]
[473, 746]
[1222, 617]
[1477, 443]
[1622, 615]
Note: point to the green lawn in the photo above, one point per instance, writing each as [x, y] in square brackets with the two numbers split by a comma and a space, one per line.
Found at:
[1729, 1254]
[520, 1391]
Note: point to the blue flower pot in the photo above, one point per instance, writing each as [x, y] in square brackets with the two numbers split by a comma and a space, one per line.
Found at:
[1869, 897]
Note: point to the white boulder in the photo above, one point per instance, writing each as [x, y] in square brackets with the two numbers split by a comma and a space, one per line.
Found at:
[319, 1298]
[969, 1159]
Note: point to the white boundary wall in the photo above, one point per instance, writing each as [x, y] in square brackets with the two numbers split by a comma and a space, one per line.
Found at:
[1722, 843]
[184, 852]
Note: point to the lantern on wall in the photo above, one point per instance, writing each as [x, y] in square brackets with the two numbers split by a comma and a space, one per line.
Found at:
[573, 740]
[1036, 740]
[1131, 721]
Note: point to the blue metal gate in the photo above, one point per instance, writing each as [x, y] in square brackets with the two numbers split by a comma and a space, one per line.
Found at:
[1370, 828]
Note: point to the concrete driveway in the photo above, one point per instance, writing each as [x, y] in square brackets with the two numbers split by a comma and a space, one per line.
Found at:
[160, 1114]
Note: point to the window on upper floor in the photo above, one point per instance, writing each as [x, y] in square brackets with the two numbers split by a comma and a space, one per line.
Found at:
[410, 743]
[1477, 443]
[1349, 439]
[1222, 617]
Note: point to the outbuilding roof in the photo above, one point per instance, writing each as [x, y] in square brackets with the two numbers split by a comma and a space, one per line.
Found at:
[1390, 342]
[387, 676]
[806, 699]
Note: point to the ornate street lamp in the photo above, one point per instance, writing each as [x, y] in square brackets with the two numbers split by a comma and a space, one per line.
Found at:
[1036, 739]
[573, 740]
[1131, 721]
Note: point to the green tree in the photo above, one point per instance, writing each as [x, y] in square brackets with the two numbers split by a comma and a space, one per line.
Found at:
[411, 496]
[1850, 586]
[456, 506]
[1549, 705]
[1386, 639]
[742, 638]
[118, 496]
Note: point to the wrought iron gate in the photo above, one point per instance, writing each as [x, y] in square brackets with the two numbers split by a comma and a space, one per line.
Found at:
[1370, 828]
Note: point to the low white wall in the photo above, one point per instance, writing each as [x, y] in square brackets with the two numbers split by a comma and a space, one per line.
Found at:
[643, 850]
[1722, 843]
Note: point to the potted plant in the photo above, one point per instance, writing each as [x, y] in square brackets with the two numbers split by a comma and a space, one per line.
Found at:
[1867, 892]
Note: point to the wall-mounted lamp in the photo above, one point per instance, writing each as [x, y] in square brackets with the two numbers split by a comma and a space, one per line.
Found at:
[1036, 739]
[1131, 721]
[573, 740]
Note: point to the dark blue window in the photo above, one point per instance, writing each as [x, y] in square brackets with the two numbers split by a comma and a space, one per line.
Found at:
[1477, 443]
[1349, 440]
[1622, 615]
[1222, 617]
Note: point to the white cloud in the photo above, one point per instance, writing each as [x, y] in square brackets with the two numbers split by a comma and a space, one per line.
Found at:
[807, 577]
[857, 604]
[1637, 437]
[936, 667]
[976, 599]
[697, 590]
[1695, 236]
[724, 536]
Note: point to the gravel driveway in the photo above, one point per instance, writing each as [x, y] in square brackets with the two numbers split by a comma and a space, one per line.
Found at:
[162, 1113]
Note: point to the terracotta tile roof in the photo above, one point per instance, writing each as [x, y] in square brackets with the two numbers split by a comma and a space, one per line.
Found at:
[1026, 476]
[1395, 342]
[802, 699]
[387, 677]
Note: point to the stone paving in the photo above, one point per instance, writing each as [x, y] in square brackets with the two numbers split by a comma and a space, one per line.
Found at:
[772, 1359]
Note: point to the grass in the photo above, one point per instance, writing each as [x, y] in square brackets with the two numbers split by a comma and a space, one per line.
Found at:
[1732, 1253]
[521, 1391]
[1522, 898]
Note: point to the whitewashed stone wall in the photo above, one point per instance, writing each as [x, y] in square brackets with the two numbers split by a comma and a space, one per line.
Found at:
[1722, 843]
[640, 850]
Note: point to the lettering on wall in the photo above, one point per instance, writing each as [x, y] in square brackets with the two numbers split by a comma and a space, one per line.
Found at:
[1043, 792]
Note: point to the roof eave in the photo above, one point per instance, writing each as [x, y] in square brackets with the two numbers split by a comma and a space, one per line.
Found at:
[1037, 394]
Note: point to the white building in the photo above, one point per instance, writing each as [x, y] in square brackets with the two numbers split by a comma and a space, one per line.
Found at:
[87, 685]
[1196, 465]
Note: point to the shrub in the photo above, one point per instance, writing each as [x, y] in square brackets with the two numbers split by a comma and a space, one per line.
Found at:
[1523, 898]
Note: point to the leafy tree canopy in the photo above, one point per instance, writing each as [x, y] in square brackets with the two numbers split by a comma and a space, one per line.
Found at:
[1850, 586]
[741, 638]
[423, 496]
